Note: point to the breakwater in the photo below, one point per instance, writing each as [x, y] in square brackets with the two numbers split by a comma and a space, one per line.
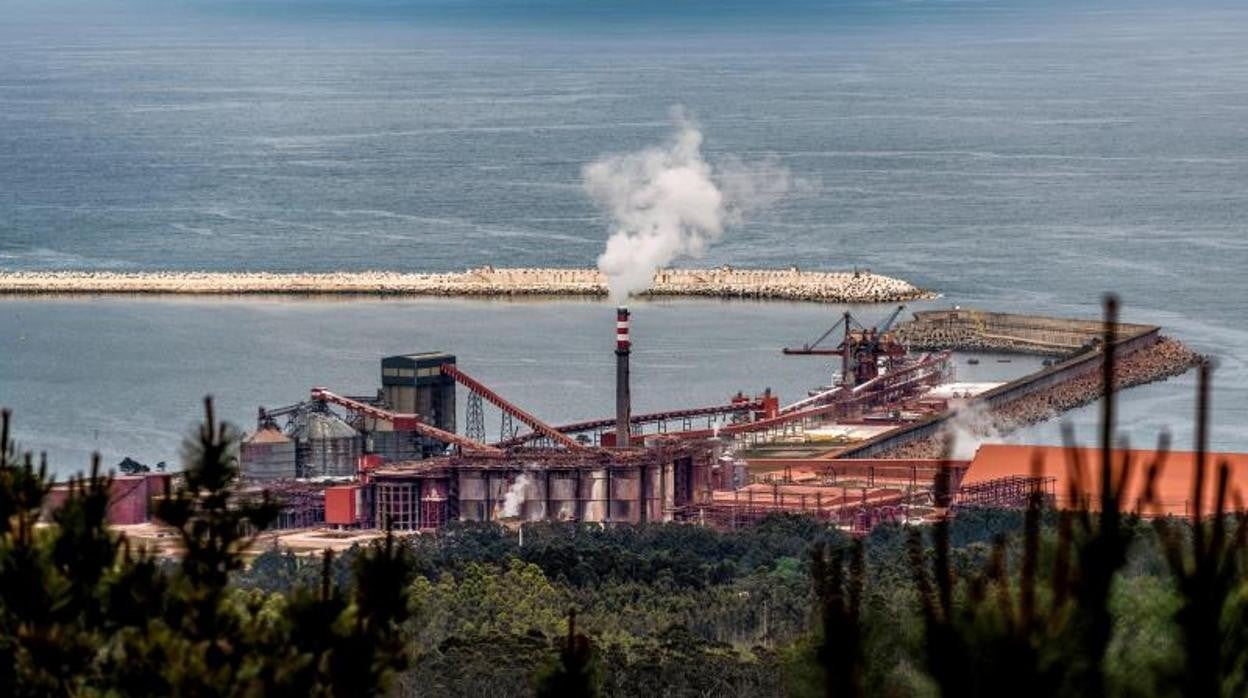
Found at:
[723, 282]
[1040, 397]
[964, 329]
[1074, 380]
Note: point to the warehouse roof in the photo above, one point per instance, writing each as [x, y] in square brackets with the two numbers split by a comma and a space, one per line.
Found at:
[1173, 487]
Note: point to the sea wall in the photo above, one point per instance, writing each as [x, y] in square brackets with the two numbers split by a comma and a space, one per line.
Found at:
[723, 282]
[1143, 357]
[977, 330]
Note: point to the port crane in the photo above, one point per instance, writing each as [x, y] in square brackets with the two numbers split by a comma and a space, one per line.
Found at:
[861, 349]
[813, 348]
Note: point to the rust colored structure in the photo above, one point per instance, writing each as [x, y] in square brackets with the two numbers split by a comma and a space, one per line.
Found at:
[633, 486]
[1173, 494]
[855, 495]
[129, 497]
[344, 505]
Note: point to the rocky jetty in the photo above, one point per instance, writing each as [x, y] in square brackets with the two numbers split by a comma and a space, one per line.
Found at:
[970, 329]
[1159, 361]
[723, 282]
[917, 337]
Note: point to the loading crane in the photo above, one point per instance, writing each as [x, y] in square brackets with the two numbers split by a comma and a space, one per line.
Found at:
[814, 348]
[267, 418]
[861, 349]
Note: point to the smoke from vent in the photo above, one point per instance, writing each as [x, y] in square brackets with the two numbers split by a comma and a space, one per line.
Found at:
[970, 427]
[668, 203]
[514, 499]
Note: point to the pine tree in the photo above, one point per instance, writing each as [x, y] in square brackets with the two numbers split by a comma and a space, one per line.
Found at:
[82, 612]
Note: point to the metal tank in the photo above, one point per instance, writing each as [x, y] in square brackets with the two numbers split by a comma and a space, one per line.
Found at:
[531, 487]
[326, 446]
[625, 495]
[562, 494]
[594, 495]
[656, 492]
[472, 496]
[268, 454]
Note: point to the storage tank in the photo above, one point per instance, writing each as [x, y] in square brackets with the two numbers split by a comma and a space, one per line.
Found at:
[625, 495]
[268, 454]
[472, 496]
[326, 446]
[594, 495]
[655, 492]
[563, 496]
[523, 496]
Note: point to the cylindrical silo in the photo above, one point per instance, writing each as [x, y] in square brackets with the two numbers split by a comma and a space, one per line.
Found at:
[268, 454]
[327, 446]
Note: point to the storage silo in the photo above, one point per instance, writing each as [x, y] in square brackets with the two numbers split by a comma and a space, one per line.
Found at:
[268, 454]
[563, 495]
[593, 494]
[326, 446]
[624, 506]
[472, 496]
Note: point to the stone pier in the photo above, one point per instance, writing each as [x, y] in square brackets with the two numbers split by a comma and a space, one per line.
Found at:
[723, 282]
[963, 329]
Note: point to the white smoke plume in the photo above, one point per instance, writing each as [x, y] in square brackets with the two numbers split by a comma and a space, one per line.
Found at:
[668, 202]
[970, 427]
[514, 499]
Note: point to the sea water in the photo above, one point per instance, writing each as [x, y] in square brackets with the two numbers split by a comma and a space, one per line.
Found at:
[1013, 157]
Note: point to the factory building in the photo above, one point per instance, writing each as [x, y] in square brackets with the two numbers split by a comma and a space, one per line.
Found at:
[316, 442]
[399, 462]
[416, 384]
[129, 497]
[636, 486]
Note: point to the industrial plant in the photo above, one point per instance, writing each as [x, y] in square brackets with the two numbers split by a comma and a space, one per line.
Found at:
[861, 450]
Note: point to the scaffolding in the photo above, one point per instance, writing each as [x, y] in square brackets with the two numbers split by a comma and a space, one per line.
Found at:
[1009, 492]
[397, 505]
[475, 427]
[856, 509]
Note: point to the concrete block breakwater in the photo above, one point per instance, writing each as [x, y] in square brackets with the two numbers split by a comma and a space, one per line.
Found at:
[1144, 356]
[1158, 361]
[978, 330]
[722, 282]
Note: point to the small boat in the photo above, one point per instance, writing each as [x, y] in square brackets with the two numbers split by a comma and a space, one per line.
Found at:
[973, 362]
[1004, 361]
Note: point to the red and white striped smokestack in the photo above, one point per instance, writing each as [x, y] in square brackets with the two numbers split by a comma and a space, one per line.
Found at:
[623, 400]
[621, 329]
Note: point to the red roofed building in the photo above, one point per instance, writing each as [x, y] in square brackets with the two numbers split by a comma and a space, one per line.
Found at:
[128, 497]
[1172, 490]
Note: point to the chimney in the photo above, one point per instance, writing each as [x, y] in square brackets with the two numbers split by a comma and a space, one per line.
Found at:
[623, 400]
